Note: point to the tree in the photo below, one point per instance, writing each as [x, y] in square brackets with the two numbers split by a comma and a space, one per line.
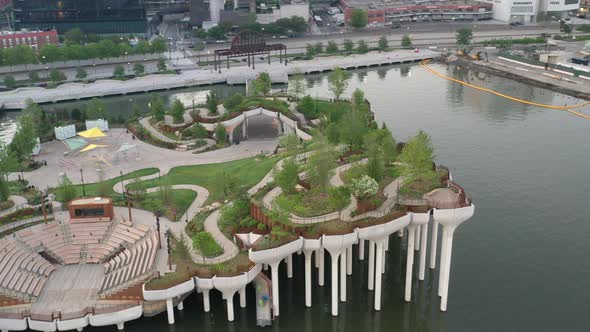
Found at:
[383, 43]
[119, 71]
[348, 46]
[358, 99]
[464, 36]
[359, 18]
[233, 102]
[158, 45]
[39, 119]
[25, 138]
[287, 177]
[406, 41]
[375, 163]
[417, 157]
[157, 108]
[307, 106]
[95, 109]
[221, 135]
[364, 187]
[338, 82]
[262, 84]
[4, 190]
[81, 73]
[135, 111]
[9, 82]
[65, 191]
[297, 84]
[362, 47]
[332, 47]
[320, 166]
[56, 76]
[34, 77]
[8, 161]
[289, 141]
[340, 197]
[353, 127]
[382, 139]
[319, 48]
[309, 51]
[212, 101]
[177, 111]
[198, 131]
[51, 53]
[162, 65]
[138, 69]
[74, 36]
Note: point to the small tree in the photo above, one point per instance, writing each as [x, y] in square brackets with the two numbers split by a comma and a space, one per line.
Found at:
[9, 82]
[289, 141]
[262, 84]
[307, 106]
[233, 102]
[198, 131]
[383, 43]
[358, 99]
[25, 138]
[417, 157]
[332, 47]
[8, 161]
[338, 82]
[74, 36]
[375, 164]
[104, 186]
[162, 65]
[4, 190]
[348, 46]
[65, 190]
[340, 197]
[353, 127]
[359, 18]
[221, 135]
[157, 108]
[362, 47]
[309, 51]
[177, 111]
[81, 73]
[212, 101]
[464, 36]
[138, 69]
[119, 71]
[297, 84]
[56, 76]
[406, 41]
[319, 48]
[364, 187]
[95, 109]
[320, 166]
[34, 77]
[287, 177]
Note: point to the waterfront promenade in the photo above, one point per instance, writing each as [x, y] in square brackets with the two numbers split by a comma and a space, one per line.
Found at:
[278, 72]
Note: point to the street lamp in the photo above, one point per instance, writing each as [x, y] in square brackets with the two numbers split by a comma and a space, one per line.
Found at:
[82, 179]
[209, 63]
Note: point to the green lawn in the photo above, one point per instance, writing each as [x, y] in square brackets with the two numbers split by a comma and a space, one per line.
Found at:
[93, 189]
[182, 199]
[245, 172]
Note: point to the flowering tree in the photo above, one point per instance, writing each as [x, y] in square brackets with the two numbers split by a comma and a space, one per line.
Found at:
[364, 187]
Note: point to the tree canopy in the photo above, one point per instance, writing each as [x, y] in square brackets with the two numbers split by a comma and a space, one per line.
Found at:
[359, 18]
[338, 82]
[417, 157]
[262, 84]
[464, 36]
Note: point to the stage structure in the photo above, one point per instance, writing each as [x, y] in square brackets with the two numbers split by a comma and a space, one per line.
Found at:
[248, 44]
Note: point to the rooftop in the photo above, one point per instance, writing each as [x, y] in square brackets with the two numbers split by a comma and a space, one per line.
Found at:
[383, 4]
[91, 200]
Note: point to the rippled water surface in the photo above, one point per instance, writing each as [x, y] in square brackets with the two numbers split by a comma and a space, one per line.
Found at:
[520, 264]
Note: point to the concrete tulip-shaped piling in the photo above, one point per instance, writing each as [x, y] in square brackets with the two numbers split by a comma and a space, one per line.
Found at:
[205, 285]
[337, 245]
[273, 257]
[417, 220]
[309, 246]
[450, 219]
[228, 287]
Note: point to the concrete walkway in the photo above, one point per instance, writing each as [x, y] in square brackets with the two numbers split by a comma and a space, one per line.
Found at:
[145, 122]
[19, 203]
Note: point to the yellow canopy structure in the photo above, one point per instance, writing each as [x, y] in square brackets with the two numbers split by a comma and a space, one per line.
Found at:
[92, 133]
[92, 147]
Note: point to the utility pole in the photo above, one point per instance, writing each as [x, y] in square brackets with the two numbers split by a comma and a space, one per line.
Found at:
[129, 197]
[43, 207]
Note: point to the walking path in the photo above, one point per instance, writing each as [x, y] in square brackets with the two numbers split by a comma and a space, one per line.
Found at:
[145, 122]
[19, 203]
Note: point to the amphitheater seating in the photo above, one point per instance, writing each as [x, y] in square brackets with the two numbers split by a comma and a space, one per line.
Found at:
[132, 264]
[24, 271]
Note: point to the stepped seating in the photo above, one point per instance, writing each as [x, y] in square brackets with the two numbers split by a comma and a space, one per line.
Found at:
[22, 271]
[131, 265]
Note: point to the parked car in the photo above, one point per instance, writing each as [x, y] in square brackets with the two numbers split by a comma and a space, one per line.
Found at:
[396, 26]
[515, 23]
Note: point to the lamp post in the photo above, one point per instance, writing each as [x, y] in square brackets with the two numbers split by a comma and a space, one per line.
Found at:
[157, 214]
[122, 186]
[82, 179]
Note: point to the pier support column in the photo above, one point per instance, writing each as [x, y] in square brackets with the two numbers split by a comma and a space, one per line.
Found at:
[308, 277]
[349, 261]
[361, 250]
[180, 306]
[387, 243]
[443, 249]
[206, 303]
[400, 234]
[448, 238]
[321, 268]
[242, 297]
[120, 327]
[343, 261]
[265, 267]
[290, 266]
[383, 259]
[230, 308]
[317, 258]
[334, 273]
[170, 311]
[423, 243]
[274, 268]
[410, 261]
[434, 244]
[378, 276]
[417, 238]
[371, 265]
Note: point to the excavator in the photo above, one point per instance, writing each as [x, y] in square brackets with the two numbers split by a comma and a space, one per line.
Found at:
[466, 53]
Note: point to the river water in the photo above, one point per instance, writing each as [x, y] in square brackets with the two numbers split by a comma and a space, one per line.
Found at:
[520, 264]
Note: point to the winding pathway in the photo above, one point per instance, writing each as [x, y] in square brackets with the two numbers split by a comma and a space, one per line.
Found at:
[145, 122]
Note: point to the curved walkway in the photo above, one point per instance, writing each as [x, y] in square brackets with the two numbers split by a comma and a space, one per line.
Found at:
[19, 203]
[145, 122]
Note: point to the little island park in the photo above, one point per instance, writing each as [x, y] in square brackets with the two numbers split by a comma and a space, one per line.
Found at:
[104, 221]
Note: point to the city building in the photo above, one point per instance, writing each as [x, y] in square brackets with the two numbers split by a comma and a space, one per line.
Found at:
[387, 11]
[561, 8]
[528, 11]
[287, 8]
[584, 7]
[35, 39]
[99, 16]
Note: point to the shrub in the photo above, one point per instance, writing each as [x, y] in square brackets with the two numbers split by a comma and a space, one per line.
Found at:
[206, 244]
[364, 187]
[307, 106]
[261, 227]
[233, 102]
[287, 177]
[66, 190]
